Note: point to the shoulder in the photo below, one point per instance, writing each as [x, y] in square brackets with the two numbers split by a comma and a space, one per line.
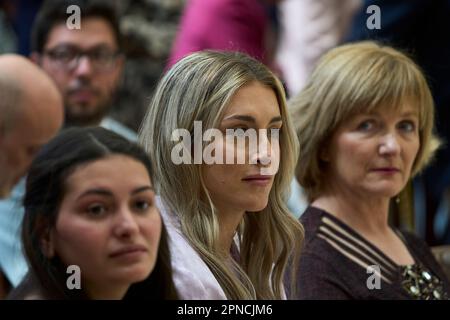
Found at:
[28, 289]
[421, 250]
[117, 127]
[191, 275]
[416, 244]
[325, 270]
[318, 277]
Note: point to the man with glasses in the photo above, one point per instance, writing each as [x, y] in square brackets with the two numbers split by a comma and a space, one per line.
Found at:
[86, 65]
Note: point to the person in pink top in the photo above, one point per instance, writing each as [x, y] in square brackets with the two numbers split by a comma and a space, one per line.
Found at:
[234, 25]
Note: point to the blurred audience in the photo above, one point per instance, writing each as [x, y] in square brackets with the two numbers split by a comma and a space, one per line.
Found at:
[233, 25]
[86, 66]
[309, 28]
[31, 112]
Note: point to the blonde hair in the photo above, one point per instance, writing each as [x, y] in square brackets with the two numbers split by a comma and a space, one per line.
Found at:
[199, 88]
[351, 79]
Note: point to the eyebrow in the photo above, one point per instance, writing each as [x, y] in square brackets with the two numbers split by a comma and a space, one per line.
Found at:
[70, 45]
[410, 114]
[107, 193]
[404, 114]
[251, 119]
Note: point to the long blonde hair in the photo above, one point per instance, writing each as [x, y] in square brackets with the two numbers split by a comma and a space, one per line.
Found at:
[198, 88]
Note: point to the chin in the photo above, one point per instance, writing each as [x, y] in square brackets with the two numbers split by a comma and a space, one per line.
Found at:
[133, 275]
[257, 206]
[387, 192]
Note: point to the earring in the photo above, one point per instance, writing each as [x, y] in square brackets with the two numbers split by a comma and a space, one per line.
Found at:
[397, 199]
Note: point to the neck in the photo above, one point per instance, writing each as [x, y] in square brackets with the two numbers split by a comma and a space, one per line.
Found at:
[106, 292]
[229, 221]
[366, 215]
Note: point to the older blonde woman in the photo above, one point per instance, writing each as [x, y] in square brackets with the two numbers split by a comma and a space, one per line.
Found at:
[231, 233]
[365, 124]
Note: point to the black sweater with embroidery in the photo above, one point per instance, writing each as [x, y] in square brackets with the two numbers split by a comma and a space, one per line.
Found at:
[335, 260]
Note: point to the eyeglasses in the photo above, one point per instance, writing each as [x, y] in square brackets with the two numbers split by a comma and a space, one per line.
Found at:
[67, 57]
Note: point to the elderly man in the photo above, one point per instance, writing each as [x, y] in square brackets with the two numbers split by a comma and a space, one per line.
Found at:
[31, 112]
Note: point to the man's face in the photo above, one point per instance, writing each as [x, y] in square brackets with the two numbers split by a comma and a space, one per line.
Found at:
[20, 144]
[87, 81]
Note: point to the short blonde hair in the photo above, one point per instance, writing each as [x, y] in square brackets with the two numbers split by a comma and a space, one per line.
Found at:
[352, 79]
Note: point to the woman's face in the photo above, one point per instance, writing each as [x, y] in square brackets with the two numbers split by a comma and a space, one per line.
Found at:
[108, 225]
[372, 154]
[246, 186]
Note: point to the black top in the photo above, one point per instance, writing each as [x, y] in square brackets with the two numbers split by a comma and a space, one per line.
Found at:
[335, 259]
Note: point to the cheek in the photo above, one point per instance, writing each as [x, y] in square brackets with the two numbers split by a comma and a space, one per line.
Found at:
[151, 228]
[107, 82]
[59, 76]
[414, 149]
[218, 176]
[411, 152]
[351, 158]
[75, 240]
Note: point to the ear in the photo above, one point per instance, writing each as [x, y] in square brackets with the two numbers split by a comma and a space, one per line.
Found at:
[35, 57]
[48, 244]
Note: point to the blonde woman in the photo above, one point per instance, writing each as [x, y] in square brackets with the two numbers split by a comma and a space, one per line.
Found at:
[365, 123]
[231, 233]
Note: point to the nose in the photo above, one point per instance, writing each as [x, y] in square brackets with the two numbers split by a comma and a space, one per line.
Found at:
[389, 145]
[84, 66]
[125, 225]
[261, 154]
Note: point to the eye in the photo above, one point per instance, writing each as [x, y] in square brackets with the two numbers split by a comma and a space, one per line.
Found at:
[63, 55]
[238, 131]
[142, 205]
[273, 133]
[102, 56]
[366, 125]
[407, 126]
[97, 210]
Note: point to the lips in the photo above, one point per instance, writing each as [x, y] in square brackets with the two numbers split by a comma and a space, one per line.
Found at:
[386, 170]
[83, 94]
[260, 180]
[130, 249]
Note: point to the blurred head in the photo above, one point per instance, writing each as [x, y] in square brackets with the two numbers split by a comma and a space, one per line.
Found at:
[85, 63]
[366, 118]
[81, 209]
[225, 90]
[31, 112]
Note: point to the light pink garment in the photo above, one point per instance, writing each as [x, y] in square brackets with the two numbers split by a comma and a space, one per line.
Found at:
[309, 28]
[192, 277]
[234, 25]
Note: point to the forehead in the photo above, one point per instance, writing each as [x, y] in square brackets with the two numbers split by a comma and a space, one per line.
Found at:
[406, 107]
[109, 172]
[94, 31]
[254, 99]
